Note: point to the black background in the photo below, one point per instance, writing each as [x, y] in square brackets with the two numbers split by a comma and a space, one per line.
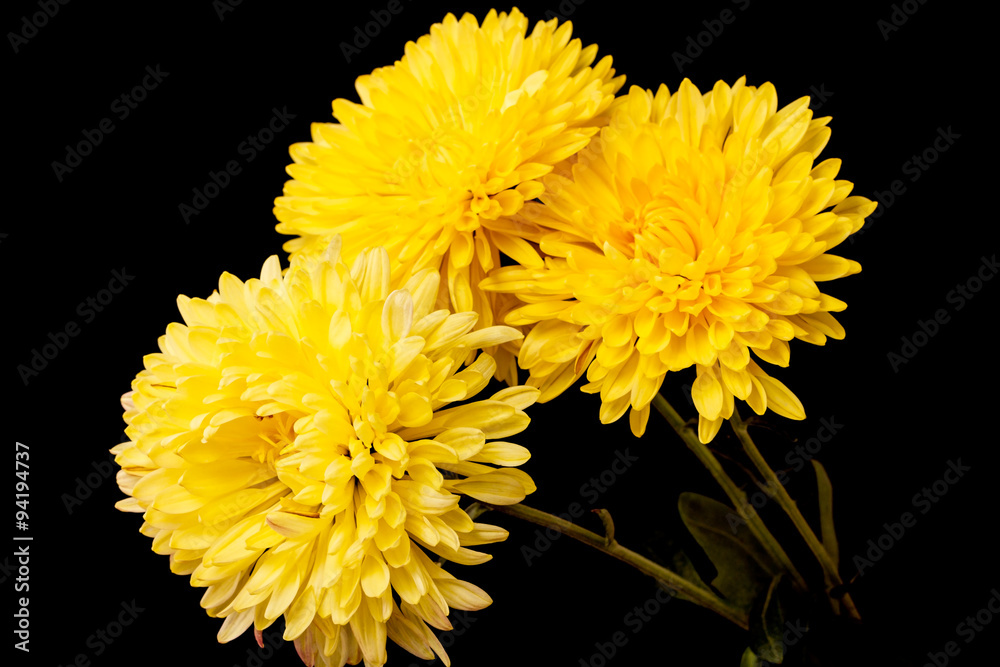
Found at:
[229, 71]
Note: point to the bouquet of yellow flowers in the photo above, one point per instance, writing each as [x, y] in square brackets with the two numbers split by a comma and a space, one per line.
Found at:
[318, 444]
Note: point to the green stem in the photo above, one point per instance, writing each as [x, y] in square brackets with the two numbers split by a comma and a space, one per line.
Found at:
[792, 510]
[606, 544]
[735, 493]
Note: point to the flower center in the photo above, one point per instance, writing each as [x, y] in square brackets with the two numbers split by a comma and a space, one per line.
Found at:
[481, 205]
[277, 439]
[660, 225]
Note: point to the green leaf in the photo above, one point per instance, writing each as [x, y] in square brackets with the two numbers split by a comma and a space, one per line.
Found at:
[749, 659]
[767, 625]
[827, 534]
[744, 570]
[668, 553]
[682, 565]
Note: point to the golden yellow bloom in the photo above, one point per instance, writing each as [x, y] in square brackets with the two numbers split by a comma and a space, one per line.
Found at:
[291, 449]
[445, 148]
[692, 231]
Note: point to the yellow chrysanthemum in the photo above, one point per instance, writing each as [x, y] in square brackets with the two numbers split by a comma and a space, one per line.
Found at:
[691, 232]
[443, 151]
[292, 451]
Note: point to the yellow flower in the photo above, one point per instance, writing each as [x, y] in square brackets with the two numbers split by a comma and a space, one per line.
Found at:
[691, 232]
[292, 450]
[443, 151]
